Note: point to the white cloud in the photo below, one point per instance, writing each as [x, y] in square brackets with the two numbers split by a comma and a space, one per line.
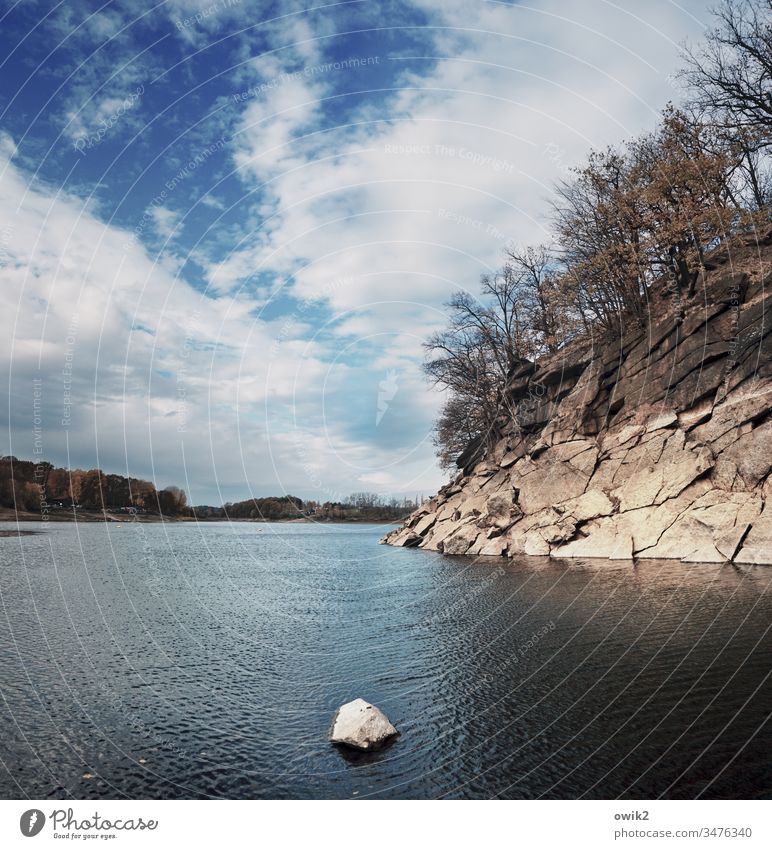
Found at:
[153, 377]
[376, 206]
[461, 160]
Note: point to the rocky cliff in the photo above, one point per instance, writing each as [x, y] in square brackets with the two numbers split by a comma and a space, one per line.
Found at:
[658, 444]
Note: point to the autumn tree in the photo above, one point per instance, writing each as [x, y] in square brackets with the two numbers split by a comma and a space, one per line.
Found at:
[684, 198]
[172, 501]
[634, 213]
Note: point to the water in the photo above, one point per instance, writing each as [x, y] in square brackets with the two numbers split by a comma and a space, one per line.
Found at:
[206, 661]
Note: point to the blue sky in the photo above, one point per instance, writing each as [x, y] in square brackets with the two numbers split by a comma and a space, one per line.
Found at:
[226, 227]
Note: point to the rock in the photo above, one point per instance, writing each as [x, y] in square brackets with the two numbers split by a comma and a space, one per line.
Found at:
[757, 545]
[628, 433]
[460, 540]
[500, 512]
[423, 525]
[547, 481]
[655, 444]
[495, 547]
[438, 533]
[664, 420]
[360, 725]
[603, 540]
[728, 543]
[752, 454]
[406, 538]
[591, 505]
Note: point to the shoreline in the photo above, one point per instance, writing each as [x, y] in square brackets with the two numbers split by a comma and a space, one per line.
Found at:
[87, 517]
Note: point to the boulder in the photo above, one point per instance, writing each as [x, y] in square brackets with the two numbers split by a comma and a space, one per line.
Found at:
[604, 539]
[494, 548]
[407, 538]
[668, 419]
[460, 540]
[423, 525]
[757, 546]
[360, 725]
[752, 454]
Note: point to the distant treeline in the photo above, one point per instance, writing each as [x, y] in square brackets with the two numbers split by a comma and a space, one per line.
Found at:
[361, 506]
[40, 487]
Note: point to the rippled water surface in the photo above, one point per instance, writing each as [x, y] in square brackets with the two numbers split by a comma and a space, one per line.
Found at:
[192, 661]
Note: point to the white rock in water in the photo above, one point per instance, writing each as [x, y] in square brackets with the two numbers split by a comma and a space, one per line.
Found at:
[362, 726]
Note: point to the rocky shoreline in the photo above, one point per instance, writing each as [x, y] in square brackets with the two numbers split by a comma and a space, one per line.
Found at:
[655, 445]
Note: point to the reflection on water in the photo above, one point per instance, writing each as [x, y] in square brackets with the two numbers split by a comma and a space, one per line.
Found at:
[191, 661]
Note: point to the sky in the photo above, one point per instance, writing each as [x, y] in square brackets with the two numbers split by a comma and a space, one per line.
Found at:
[227, 227]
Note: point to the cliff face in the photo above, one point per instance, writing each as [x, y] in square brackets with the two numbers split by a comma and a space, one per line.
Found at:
[658, 444]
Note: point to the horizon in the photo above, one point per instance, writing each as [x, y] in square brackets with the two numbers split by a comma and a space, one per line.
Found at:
[226, 238]
[415, 500]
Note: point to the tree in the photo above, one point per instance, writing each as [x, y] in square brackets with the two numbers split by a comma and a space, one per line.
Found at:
[172, 501]
[536, 280]
[730, 82]
[598, 219]
[633, 213]
[463, 360]
[731, 73]
[486, 339]
[461, 423]
[684, 197]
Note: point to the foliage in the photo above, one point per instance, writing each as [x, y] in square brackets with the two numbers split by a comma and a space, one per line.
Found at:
[632, 216]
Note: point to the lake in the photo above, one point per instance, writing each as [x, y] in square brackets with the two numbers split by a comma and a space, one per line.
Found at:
[183, 661]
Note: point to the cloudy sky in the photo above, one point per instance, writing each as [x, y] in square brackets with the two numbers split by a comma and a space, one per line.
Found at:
[226, 227]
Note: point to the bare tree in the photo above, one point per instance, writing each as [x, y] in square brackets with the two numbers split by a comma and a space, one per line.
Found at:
[487, 337]
[732, 71]
[730, 81]
[534, 273]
